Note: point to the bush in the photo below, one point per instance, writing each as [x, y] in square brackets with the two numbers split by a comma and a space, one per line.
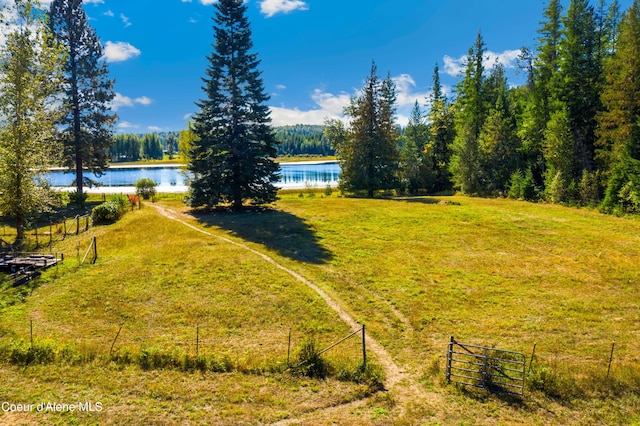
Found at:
[146, 188]
[78, 199]
[310, 363]
[110, 211]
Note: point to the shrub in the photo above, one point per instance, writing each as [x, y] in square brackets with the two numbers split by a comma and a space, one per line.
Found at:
[111, 210]
[310, 363]
[146, 188]
[78, 199]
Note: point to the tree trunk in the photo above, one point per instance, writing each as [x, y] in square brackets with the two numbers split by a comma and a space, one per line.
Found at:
[20, 229]
[79, 179]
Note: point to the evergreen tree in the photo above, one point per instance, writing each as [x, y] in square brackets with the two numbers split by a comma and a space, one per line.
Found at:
[172, 144]
[539, 96]
[232, 157]
[416, 157]
[619, 130]
[499, 142]
[30, 77]
[151, 147]
[441, 135]
[369, 150]
[86, 128]
[578, 81]
[559, 154]
[471, 109]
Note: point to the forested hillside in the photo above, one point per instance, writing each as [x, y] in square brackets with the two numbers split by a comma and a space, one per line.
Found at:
[302, 140]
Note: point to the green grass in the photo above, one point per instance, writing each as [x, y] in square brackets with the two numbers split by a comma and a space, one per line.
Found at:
[416, 271]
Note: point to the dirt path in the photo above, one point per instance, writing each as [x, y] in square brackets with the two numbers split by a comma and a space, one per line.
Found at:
[404, 388]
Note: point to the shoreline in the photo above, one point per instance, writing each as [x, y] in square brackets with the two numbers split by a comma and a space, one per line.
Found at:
[178, 165]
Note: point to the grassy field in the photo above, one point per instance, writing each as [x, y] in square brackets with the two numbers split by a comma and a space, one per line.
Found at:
[416, 271]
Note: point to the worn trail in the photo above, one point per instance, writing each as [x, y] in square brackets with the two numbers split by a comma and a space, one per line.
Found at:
[404, 388]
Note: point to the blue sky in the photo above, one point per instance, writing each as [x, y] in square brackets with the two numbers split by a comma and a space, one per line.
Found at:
[315, 54]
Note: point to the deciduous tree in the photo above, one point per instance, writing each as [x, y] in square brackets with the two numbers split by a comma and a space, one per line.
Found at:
[30, 77]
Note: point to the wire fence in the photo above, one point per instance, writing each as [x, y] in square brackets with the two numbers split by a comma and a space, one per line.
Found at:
[39, 235]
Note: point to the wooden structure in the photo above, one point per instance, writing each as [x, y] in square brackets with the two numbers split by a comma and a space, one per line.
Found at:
[24, 267]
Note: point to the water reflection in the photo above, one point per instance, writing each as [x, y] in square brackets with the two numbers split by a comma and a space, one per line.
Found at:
[293, 176]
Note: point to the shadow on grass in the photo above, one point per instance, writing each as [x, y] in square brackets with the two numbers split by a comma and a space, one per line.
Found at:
[283, 232]
[426, 200]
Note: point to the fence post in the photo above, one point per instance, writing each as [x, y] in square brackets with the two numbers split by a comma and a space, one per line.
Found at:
[449, 359]
[364, 348]
[78, 225]
[95, 250]
[116, 338]
[289, 348]
[613, 345]
[532, 355]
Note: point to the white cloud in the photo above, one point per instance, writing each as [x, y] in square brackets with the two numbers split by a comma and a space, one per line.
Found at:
[155, 128]
[455, 67]
[125, 20]
[120, 51]
[329, 106]
[120, 101]
[125, 125]
[109, 13]
[281, 87]
[273, 7]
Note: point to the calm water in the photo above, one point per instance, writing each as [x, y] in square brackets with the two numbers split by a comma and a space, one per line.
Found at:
[293, 176]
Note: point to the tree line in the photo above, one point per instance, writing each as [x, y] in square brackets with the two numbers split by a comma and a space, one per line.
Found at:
[571, 134]
[148, 146]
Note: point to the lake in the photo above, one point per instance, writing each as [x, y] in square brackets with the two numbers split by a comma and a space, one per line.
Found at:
[174, 178]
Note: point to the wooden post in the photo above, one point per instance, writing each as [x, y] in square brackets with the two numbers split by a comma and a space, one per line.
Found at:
[95, 249]
[289, 348]
[613, 345]
[364, 348]
[77, 224]
[64, 221]
[116, 338]
[533, 354]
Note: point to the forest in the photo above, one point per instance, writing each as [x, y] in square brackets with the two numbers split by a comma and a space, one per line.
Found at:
[570, 135]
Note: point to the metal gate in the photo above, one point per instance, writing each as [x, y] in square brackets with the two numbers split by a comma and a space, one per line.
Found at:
[493, 369]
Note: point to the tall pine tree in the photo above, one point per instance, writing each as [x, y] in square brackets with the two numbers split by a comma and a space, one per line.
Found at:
[578, 81]
[232, 156]
[87, 126]
[441, 134]
[416, 157]
[369, 149]
[466, 166]
[619, 130]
